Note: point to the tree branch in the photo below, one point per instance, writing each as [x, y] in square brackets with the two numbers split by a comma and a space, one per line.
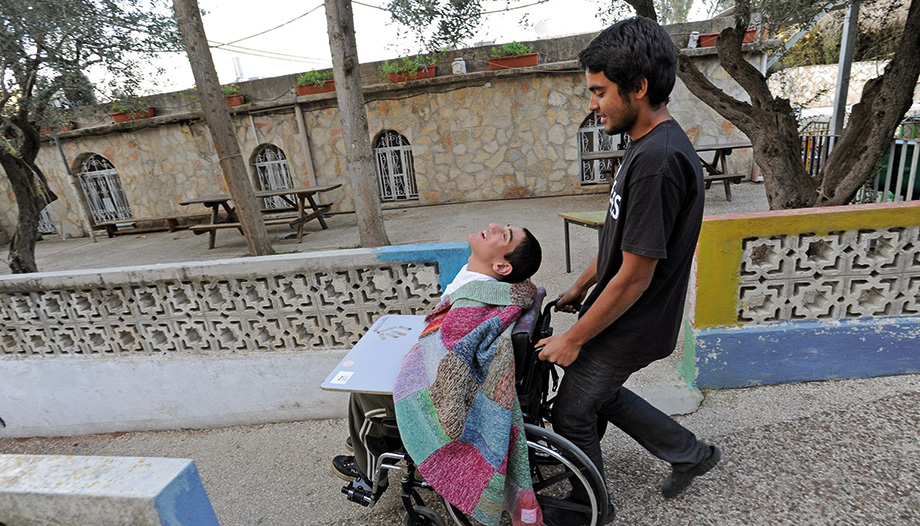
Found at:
[728, 46]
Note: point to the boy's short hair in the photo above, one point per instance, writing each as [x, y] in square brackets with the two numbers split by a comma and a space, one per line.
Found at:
[630, 50]
[525, 259]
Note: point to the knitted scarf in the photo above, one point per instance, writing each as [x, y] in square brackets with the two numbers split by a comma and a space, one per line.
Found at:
[456, 406]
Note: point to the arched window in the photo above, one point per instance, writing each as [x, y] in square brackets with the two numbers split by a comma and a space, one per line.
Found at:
[592, 138]
[272, 173]
[103, 191]
[395, 167]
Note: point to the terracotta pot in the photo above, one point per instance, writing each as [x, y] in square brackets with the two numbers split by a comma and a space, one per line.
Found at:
[235, 99]
[65, 127]
[133, 115]
[313, 89]
[709, 39]
[422, 73]
[514, 61]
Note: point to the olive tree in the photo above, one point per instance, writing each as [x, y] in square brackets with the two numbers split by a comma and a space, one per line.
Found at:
[46, 47]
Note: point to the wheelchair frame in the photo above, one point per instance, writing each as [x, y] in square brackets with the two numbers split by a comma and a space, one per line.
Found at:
[554, 461]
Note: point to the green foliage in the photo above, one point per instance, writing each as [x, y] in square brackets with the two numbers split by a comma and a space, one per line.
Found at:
[230, 89]
[314, 78]
[438, 24]
[410, 65]
[47, 45]
[511, 49]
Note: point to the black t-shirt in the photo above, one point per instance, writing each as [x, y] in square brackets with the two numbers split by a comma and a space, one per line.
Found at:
[656, 208]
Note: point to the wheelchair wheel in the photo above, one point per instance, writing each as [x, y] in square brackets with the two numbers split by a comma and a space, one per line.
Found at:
[425, 517]
[559, 467]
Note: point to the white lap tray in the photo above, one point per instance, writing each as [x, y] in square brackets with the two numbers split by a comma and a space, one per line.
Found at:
[372, 365]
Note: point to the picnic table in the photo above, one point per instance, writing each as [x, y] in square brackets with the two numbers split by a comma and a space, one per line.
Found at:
[715, 169]
[593, 220]
[302, 200]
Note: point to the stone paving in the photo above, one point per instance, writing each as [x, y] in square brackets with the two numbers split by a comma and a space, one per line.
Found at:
[835, 452]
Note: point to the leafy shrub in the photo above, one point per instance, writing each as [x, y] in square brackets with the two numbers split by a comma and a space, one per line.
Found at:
[314, 78]
[511, 49]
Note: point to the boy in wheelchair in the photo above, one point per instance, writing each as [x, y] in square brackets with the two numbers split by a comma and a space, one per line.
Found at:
[459, 417]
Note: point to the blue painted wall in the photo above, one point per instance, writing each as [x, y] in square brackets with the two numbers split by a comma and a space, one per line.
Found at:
[184, 501]
[790, 352]
[450, 257]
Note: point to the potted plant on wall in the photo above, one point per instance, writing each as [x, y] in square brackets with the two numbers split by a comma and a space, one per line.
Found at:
[709, 39]
[233, 94]
[313, 82]
[512, 55]
[131, 109]
[410, 68]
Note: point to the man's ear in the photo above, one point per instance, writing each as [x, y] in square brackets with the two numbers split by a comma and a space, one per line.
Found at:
[641, 88]
[502, 268]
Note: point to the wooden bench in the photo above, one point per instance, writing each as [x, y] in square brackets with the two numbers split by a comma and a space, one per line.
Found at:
[154, 224]
[201, 229]
[727, 179]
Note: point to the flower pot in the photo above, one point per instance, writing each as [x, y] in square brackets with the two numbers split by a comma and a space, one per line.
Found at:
[709, 39]
[125, 116]
[514, 61]
[313, 89]
[65, 127]
[235, 99]
[402, 76]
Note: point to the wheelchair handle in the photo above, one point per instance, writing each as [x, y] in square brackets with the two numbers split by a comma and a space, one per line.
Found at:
[547, 316]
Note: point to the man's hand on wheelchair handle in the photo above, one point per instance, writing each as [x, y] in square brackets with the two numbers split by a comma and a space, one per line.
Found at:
[567, 301]
[558, 350]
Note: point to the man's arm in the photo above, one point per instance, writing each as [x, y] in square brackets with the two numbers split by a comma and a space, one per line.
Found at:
[618, 296]
[578, 291]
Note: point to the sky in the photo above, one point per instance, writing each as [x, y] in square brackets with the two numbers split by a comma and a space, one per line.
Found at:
[301, 43]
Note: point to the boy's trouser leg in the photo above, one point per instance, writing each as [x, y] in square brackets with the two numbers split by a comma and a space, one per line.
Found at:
[592, 390]
[367, 437]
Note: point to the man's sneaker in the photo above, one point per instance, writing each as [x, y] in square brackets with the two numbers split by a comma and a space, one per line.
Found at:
[678, 481]
[348, 447]
[345, 468]
[561, 517]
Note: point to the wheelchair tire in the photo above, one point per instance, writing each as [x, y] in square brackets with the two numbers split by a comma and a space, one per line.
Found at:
[556, 465]
[426, 517]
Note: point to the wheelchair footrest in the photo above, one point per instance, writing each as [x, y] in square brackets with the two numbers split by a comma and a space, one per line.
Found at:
[359, 494]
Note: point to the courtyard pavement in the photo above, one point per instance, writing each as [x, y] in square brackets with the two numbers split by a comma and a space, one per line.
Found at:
[835, 452]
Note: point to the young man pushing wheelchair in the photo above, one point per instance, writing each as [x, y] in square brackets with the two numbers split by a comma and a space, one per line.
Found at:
[630, 319]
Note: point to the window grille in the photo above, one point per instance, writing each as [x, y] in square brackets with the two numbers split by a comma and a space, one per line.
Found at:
[272, 173]
[395, 167]
[45, 225]
[103, 191]
[593, 138]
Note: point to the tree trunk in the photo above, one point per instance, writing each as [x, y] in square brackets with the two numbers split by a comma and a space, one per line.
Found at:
[26, 178]
[359, 156]
[218, 118]
[856, 156]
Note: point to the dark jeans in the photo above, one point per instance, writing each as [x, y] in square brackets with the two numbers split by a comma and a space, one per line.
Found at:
[592, 394]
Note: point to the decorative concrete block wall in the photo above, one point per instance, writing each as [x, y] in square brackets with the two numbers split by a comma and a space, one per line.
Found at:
[102, 491]
[800, 295]
[231, 342]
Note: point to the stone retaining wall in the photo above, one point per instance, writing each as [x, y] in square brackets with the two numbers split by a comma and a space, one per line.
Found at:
[483, 135]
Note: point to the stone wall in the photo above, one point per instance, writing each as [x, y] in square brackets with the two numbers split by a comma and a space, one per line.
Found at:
[483, 135]
[813, 86]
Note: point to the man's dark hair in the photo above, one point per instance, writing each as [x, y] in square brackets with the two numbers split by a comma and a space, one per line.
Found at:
[630, 50]
[525, 259]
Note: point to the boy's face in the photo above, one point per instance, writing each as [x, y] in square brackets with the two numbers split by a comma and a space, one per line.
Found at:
[489, 247]
[618, 115]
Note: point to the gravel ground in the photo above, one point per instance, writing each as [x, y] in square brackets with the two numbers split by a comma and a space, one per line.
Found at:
[836, 452]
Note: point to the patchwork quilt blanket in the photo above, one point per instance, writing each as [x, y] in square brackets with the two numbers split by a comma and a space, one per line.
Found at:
[456, 405]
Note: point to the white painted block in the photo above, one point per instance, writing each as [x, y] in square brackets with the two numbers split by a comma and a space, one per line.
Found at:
[38, 490]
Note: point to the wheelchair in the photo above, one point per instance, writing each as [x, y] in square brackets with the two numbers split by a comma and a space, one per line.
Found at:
[558, 467]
